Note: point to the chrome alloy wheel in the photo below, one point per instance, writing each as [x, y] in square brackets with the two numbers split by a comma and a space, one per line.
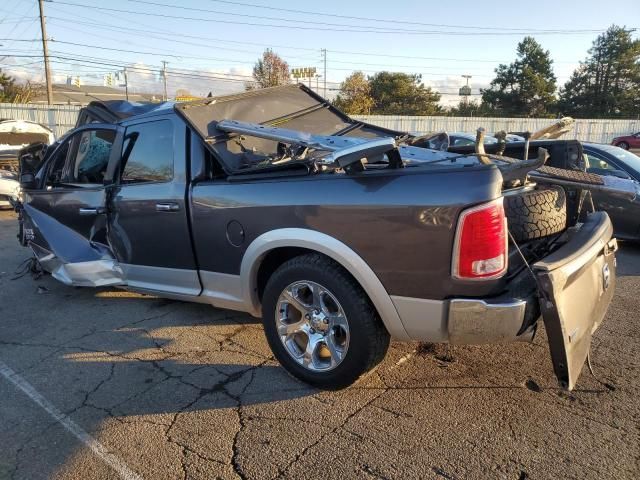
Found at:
[312, 326]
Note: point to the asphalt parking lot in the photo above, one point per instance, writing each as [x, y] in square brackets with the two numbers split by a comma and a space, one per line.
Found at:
[107, 384]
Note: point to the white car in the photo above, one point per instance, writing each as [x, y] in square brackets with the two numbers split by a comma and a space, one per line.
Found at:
[9, 188]
[15, 135]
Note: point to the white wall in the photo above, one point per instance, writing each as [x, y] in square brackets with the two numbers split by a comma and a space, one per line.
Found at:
[599, 131]
[61, 118]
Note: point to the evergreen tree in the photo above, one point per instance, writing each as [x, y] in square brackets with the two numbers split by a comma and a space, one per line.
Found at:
[402, 94]
[607, 83]
[525, 87]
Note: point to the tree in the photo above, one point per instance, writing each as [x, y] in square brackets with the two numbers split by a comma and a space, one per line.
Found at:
[402, 94]
[355, 95]
[607, 83]
[526, 86]
[270, 71]
[7, 85]
[471, 108]
[12, 92]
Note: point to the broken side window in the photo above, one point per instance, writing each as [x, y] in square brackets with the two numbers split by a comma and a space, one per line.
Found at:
[56, 166]
[90, 156]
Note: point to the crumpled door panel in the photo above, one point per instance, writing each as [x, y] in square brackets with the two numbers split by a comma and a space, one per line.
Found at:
[70, 257]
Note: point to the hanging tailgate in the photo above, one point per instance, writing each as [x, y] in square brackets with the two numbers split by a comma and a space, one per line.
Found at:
[576, 285]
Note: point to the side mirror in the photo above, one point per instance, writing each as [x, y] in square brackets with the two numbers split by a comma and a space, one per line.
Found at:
[28, 181]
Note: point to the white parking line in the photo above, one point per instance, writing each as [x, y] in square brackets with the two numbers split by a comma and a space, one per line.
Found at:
[96, 447]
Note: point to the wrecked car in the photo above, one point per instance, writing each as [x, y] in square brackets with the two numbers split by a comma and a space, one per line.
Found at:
[14, 136]
[337, 233]
[9, 188]
[17, 134]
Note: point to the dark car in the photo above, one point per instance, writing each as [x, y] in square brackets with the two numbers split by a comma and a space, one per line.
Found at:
[335, 232]
[607, 160]
[628, 141]
[453, 139]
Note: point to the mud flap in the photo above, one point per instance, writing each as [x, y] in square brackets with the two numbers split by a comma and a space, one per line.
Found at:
[576, 284]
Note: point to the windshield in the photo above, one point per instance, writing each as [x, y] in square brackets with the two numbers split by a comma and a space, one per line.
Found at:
[630, 159]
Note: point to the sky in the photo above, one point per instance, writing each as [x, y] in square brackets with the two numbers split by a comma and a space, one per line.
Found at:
[212, 45]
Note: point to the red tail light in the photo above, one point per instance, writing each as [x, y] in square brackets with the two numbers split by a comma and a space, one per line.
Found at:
[480, 248]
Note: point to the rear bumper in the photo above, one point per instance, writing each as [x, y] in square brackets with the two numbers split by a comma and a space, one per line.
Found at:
[467, 321]
[573, 289]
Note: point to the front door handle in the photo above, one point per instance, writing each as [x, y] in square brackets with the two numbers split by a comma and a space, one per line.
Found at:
[167, 207]
[86, 211]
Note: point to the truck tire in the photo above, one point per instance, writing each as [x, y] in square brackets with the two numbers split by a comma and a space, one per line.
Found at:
[320, 324]
[536, 213]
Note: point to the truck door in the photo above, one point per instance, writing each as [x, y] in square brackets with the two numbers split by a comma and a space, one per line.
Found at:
[623, 213]
[148, 216]
[63, 218]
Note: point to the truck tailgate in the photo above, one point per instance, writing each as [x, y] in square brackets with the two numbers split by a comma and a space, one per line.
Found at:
[576, 284]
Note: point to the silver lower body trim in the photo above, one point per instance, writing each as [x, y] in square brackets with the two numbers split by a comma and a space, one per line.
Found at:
[422, 319]
[224, 290]
[160, 279]
[462, 321]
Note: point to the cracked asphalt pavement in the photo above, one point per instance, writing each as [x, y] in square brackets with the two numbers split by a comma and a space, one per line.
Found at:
[176, 391]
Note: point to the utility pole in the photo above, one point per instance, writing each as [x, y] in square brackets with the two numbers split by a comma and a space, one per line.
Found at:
[45, 52]
[324, 55]
[164, 79]
[126, 84]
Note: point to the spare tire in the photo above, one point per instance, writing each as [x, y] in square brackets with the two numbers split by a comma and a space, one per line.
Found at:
[536, 213]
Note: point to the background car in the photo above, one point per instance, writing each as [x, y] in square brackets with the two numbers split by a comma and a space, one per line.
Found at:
[9, 188]
[608, 160]
[444, 140]
[627, 141]
[17, 134]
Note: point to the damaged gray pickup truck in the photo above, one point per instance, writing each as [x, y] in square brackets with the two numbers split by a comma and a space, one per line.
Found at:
[337, 233]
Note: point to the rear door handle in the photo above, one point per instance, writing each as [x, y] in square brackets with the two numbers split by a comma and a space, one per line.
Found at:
[86, 211]
[167, 207]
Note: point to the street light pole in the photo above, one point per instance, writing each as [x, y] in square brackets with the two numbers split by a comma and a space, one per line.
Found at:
[45, 52]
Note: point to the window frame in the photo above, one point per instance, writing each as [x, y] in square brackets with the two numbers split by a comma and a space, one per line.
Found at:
[70, 158]
[603, 158]
[117, 174]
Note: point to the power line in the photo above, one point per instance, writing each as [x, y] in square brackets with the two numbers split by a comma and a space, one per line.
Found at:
[161, 54]
[131, 65]
[178, 74]
[348, 28]
[148, 70]
[385, 20]
[217, 59]
[316, 22]
[107, 26]
[170, 37]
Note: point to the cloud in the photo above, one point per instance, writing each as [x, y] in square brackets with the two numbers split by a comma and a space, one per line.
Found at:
[142, 77]
[449, 86]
